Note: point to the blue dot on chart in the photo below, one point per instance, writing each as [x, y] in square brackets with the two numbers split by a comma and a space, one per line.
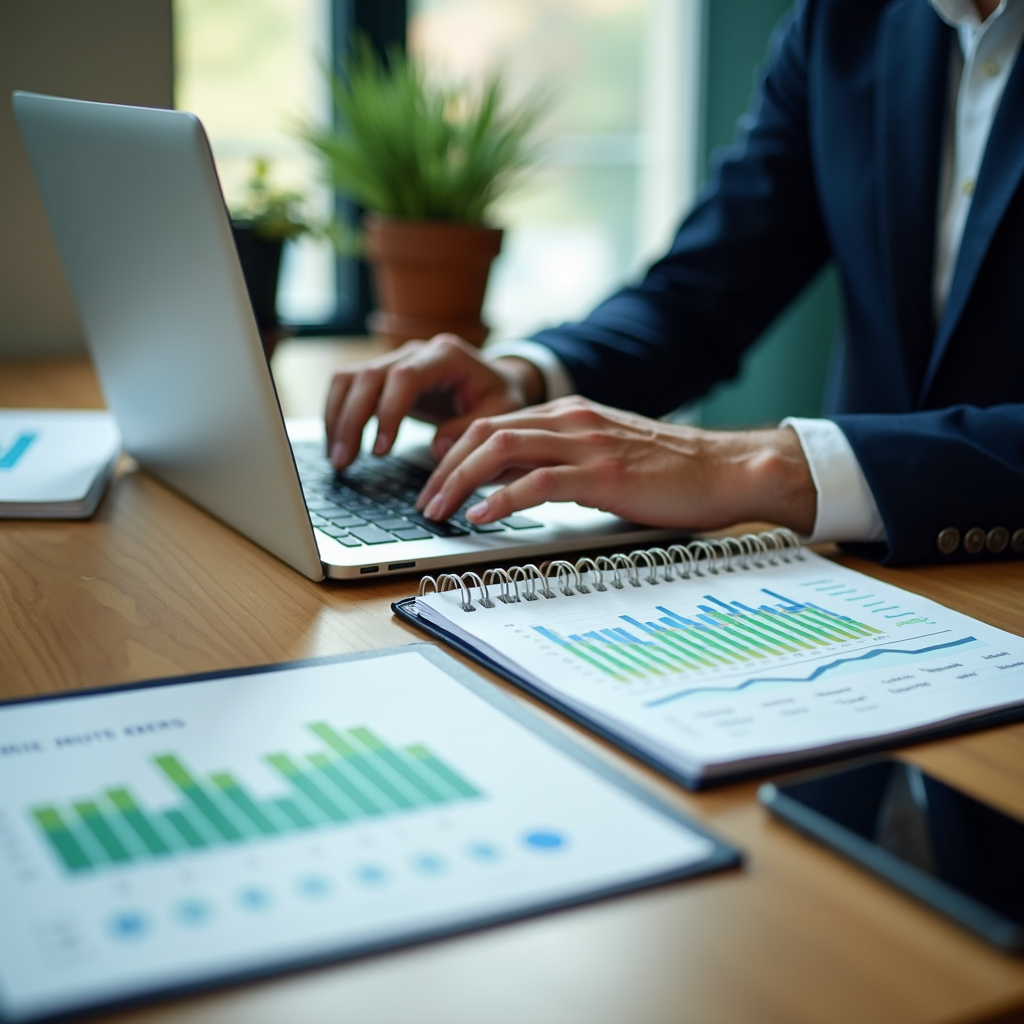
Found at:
[429, 864]
[314, 886]
[193, 912]
[129, 924]
[371, 874]
[252, 897]
[486, 853]
[545, 840]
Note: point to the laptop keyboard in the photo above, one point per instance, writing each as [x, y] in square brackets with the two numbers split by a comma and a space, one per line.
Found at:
[374, 501]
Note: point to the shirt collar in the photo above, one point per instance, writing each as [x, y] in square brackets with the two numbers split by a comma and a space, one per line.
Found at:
[963, 13]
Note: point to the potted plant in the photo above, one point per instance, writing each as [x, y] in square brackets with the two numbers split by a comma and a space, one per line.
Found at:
[266, 219]
[426, 161]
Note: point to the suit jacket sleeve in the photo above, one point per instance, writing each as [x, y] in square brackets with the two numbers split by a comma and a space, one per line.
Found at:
[961, 467]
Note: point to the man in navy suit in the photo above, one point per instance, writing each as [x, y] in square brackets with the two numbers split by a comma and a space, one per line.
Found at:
[885, 135]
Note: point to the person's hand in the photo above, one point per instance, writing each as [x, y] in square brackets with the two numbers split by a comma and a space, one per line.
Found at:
[441, 381]
[650, 472]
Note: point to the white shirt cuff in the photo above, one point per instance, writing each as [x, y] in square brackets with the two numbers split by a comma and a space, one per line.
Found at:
[558, 381]
[847, 510]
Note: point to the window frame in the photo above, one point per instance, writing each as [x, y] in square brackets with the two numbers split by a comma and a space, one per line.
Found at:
[384, 23]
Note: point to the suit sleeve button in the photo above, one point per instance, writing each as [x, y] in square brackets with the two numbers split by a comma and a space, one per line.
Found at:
[1017, 541]
[948, 540]
[997, 539]
[974, 540]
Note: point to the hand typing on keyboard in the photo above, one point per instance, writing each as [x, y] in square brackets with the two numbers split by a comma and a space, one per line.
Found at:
[374, 501]
[442, 381]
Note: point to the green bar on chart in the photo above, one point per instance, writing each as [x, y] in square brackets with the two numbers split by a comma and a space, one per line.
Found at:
[100, 828]
[580, 653]
[599, 651]
[830, 623]
[679, 655]
[738, 625]
[689, 646]
[791, 628]
[725, 646]
[291, 810]
[740, 642]
[198, 797]
[362, 764]
[641, 662]
[186, 829]
[60, 837]
[734, 626]
[354, 797]
[439, 768]
[422, 782]
[138, 821]
[306, 786]
[245, 803]
[770, 634]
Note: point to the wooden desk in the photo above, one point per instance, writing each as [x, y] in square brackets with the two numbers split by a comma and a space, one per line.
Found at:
[152, 586]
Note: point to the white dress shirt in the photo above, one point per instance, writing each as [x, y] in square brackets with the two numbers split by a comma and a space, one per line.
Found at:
[980, 66]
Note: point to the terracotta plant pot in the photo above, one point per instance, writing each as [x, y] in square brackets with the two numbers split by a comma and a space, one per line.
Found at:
[429, 277]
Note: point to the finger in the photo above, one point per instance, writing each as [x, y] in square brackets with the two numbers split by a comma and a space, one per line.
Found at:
[433, 366]
[340, 384]
[504, 450]
[358, 407]
[451, 430]
[478, 432]
[546, 483]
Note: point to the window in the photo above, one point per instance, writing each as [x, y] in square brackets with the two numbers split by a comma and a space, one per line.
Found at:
[621, 146]
[621, 160]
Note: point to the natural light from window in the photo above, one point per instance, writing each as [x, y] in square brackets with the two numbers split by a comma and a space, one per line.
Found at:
[620, 160]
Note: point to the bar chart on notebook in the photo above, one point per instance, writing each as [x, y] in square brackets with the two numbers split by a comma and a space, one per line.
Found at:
[730, 663]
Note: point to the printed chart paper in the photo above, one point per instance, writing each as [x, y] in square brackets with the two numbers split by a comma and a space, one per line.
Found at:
[159, 837]
[748, 667]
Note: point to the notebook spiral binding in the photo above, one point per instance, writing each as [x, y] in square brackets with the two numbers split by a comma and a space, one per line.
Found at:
[678, 561]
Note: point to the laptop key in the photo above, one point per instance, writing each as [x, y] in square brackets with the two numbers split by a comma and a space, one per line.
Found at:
[343, 519]
[437, 529]
[393, 524]
[479, 527]
[341, 536]
[372, 535]
[347, 540]
[520, 522]
[412, 533]
[377, 515]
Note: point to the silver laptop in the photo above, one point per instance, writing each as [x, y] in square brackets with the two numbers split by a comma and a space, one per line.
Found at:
[136, 209]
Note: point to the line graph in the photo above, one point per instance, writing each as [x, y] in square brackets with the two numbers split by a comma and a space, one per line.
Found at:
[813, 675]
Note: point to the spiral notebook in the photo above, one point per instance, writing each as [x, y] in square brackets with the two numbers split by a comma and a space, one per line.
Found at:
[722, 659]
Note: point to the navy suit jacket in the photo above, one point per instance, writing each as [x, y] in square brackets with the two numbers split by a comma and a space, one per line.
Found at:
[838, 158]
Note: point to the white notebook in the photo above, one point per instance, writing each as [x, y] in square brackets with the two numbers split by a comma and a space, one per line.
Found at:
[727, 658]
[55, 463]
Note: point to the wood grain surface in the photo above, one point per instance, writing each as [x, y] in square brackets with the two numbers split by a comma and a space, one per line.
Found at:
[152, 586]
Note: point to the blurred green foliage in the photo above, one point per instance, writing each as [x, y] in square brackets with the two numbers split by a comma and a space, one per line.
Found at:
[410, 147]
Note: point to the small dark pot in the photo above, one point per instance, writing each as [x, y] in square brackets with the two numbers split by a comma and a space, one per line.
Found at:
[261, 266]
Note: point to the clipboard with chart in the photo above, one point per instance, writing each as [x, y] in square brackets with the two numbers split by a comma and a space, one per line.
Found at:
[189, 832]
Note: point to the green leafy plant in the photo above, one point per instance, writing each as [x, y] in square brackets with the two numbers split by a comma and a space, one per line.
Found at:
[273, 214]
[413, 148]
